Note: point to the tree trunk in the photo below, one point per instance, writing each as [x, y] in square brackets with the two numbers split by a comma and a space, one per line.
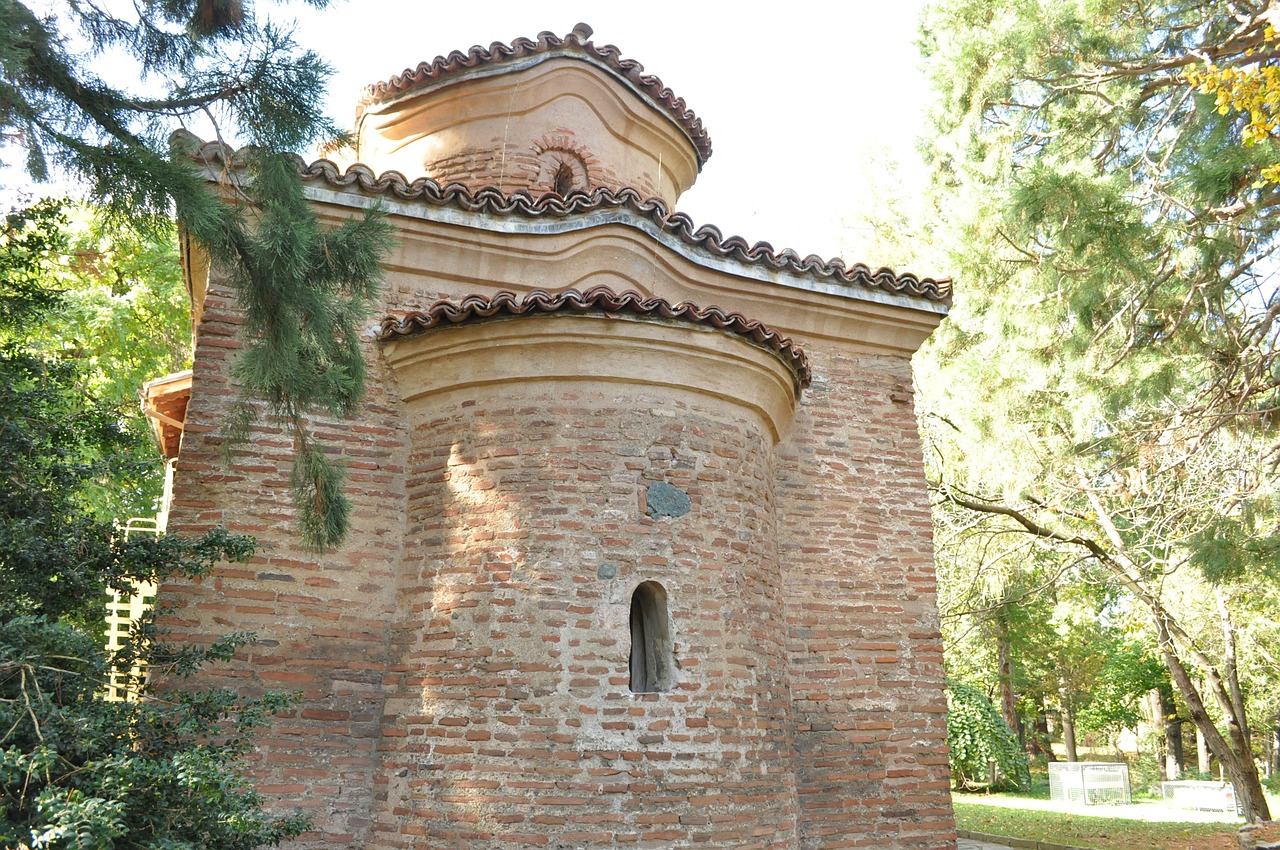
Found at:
[1004, 662]
[1153, 718]
[1203, 762]
[1068, 725]
[1038, 741]
[1273, 758]
[1175, 759]
[1233, 751]
[1234, 755]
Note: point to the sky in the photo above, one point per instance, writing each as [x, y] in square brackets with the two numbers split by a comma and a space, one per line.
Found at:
[803, 100]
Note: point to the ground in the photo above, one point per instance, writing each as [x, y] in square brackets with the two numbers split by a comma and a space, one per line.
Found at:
[1138, 826]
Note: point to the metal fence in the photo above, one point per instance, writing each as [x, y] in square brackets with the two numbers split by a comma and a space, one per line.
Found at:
[1089, 782]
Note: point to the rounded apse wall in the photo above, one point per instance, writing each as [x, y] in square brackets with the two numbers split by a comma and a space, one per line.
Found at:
[569, 471]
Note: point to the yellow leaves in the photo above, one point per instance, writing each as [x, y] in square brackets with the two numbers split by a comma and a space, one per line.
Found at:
[1252, 90]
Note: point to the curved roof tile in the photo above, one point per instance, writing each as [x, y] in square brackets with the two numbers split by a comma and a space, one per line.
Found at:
[490, 201]
[598, 299]
[547, 45]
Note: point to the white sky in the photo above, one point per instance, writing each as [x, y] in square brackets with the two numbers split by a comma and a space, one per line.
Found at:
[794, 95]
[804, 101]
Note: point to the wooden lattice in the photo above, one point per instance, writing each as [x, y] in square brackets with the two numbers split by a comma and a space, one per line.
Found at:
[122, 611]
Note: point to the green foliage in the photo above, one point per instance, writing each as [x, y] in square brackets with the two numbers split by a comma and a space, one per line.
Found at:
[101, 314]
[1247, 80]
[247, 75]
[1105, 386]
[1128, 671]
[1107, 218]
[1233, 548]
[77, 771]
[57, 453]
[978, 738]
[304, 288]
[304, 291]
[30, 242]
[123, 312]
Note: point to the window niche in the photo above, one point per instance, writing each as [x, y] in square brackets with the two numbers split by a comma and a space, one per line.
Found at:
[561, 171]
[653, 664]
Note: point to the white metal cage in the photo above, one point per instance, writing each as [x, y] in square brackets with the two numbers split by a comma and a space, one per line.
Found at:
[1202, 796]
[1089, 782]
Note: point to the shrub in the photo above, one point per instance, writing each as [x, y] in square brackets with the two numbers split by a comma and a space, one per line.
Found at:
[985, 752]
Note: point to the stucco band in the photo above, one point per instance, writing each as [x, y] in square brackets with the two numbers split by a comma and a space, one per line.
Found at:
[676, 356]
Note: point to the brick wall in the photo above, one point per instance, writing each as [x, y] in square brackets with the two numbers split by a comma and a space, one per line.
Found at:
[509, 716]
[463, 659]
[321, 620]
[864, 643]
[522, 166]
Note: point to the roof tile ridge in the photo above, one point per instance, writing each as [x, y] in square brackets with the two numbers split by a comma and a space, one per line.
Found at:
[493, 201]
[680, 225]
[890, 281]
[452, 62]
[600, 298]
[634, 71]
[608, 54]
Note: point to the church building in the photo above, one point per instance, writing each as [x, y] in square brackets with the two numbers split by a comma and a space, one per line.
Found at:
[641, 551]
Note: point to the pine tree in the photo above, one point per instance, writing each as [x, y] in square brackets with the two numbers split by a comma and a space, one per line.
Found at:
[1108, 380]
[303, 288]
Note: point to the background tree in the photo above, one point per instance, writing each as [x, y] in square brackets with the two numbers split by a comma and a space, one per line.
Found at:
[996, 603]
[1107, 384]
[304, 289]
[122, 318]
[123, 311]
[1042, 628]
[77, 771]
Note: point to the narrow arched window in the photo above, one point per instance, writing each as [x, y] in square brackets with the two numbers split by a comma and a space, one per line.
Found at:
[652, 652]
[563, 172]
[563, 179]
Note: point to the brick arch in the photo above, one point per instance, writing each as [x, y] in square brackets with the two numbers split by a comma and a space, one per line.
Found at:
[563, 166]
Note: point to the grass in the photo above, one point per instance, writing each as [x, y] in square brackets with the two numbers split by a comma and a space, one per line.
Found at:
[1027, 815]
[1100, 833]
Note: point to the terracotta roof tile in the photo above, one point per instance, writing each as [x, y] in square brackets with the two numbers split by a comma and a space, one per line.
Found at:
[547, 45]
[490, 201]
[598, 299]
